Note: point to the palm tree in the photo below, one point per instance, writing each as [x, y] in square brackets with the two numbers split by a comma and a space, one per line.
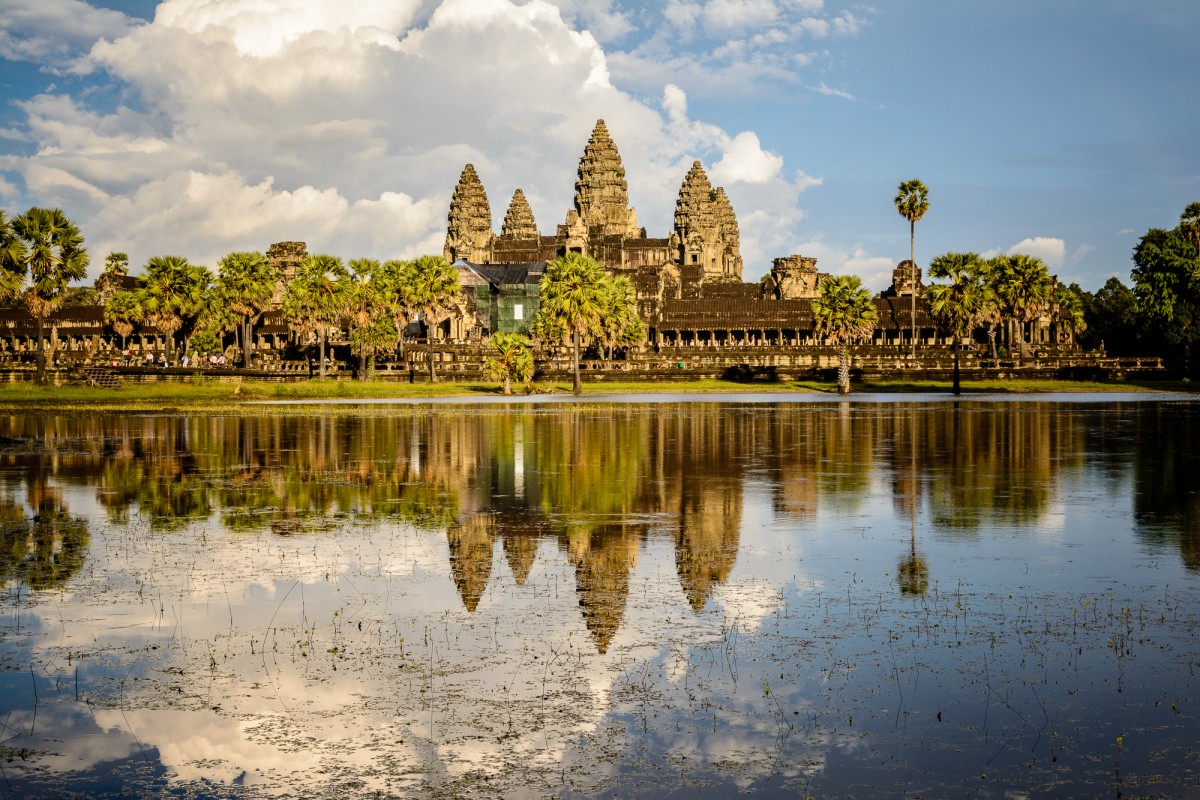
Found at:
[432, 291]
[1024, 286]
[245, 283]
[571, 293]
[620, 322]
[395, 282]
[12, 261]
[912, 201]
[316, 299]
[173, 295]
[844, 313]
[1068, 310]
[959, 304]
[122, 311]
[1189, 223]
[513, 359]
[54, 256]
[369, 306]
[116, 264]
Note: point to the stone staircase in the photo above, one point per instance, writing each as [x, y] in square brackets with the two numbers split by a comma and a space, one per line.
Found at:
[99, 376]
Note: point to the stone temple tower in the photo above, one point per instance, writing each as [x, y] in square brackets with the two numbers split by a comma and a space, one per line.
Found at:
[518, 221]
[601, 195]
[469, 234]
[705, 241]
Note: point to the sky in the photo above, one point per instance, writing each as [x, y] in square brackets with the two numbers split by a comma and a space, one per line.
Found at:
[1060, 128]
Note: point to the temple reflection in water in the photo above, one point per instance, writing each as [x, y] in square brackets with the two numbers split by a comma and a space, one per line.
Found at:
[596, 483]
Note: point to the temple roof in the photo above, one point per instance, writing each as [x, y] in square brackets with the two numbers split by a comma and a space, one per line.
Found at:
[506, 274]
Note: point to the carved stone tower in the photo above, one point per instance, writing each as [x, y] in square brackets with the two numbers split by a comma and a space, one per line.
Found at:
[795, 277]
[518, 221]
[285, 259]
[469, 234]
[705, 240]
[601, 195]
[906, 279]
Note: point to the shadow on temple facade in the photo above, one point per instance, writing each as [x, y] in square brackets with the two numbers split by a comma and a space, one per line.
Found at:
[519, 488]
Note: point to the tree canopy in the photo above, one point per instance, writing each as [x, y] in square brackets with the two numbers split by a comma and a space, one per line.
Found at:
[572, 293]
[844, 313]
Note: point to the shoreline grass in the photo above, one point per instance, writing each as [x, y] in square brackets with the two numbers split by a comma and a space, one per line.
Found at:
[237, 397]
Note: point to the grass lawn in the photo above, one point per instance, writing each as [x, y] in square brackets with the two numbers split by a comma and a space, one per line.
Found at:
[231, 397]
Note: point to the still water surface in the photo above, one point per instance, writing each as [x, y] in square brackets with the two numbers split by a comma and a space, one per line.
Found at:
[691, 599]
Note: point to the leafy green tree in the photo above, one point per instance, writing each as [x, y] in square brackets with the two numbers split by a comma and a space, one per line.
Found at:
[1164, 282]
[620, 323]
[844, 313]
[317, 298]
[395, 282]
[206, 343]
[432, 289]
[1112, 321]
[572, 299]
[912, 201]
[959, 304]
[513, 359]
[245, 285]
[12, 260]
[173, 295]
[54, 256]
[1024, 287]
[122, 311]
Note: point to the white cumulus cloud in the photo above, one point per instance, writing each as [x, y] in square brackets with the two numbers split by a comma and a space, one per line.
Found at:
[55, 31]
[1051, 250]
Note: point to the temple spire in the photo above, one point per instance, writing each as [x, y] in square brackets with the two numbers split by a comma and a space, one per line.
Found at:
[469, 233]
[601, 192]
[518, 221]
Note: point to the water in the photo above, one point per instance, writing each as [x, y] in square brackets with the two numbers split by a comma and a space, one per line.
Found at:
[891, 597]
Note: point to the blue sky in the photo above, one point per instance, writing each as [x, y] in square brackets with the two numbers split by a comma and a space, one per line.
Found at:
[197, 127]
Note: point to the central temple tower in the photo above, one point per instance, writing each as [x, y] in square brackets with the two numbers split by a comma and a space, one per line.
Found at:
[601, 197]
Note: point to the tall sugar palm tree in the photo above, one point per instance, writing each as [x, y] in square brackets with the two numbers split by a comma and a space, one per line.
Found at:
[54, 256]
[395, 283]
[1189, 223]
[369, 301]
[1068, 310]
[844, 313]
[1024, 287]
[12, 260]
[316, 299]
[432, 290]
[571, 293]
[116, 264]
[246, 283]
[173, 295]
[620, 323]
[912, 201]
[959, 304]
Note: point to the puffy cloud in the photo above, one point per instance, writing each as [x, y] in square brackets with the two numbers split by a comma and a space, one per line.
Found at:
[55, 31]
[1052, 251]
[745, 160]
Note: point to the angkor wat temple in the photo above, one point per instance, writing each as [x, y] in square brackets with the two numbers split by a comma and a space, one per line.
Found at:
[689, 283]
[702, 317]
